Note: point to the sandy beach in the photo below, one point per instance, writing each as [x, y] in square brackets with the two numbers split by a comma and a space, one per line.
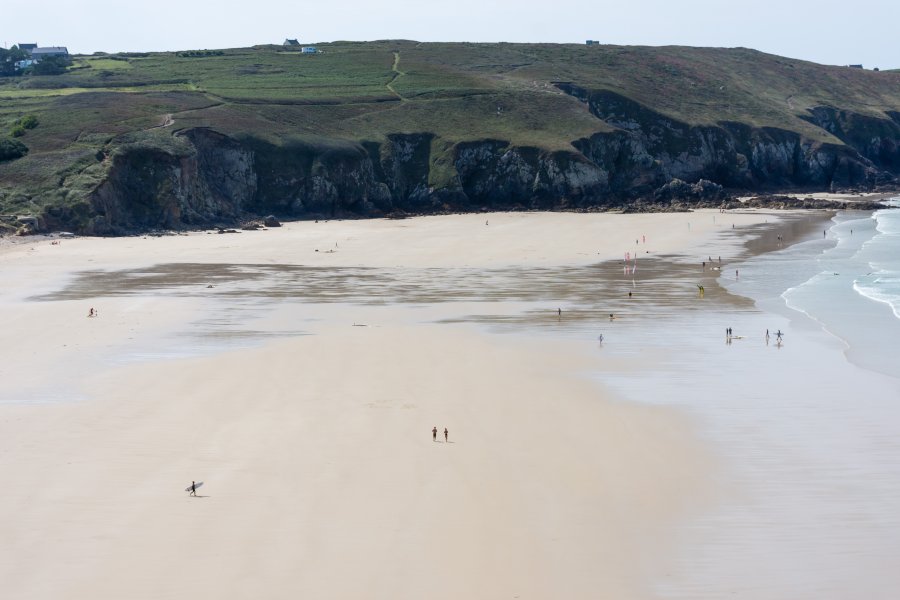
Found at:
[298, 373]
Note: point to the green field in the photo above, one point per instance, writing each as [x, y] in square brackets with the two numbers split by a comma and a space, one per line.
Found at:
[364, 91]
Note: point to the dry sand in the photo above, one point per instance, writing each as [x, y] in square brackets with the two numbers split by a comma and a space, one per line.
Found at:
[321, 478]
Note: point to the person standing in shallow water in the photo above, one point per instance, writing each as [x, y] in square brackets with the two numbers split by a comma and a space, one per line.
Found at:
[446, 434]
[434, 433]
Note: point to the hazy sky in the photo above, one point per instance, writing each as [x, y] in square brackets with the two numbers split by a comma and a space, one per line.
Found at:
[824, 31]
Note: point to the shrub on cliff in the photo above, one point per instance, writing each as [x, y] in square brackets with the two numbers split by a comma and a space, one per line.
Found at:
[12, 149]
[28, 122]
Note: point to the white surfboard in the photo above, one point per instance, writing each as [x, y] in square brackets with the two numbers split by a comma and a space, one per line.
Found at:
[195, 486]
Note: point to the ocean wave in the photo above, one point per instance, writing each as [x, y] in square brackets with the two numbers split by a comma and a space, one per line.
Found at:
[887, 221]
[793, 296]
[881, 286]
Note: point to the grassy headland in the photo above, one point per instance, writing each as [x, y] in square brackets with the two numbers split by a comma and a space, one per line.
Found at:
[356, 92]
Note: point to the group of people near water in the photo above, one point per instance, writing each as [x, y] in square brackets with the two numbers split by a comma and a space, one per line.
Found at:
[729, 334]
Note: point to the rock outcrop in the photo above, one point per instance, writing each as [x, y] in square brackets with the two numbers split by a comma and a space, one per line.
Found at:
[210, 178]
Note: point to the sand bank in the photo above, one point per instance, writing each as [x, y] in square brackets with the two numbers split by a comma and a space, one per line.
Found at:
[321, 476]
[477, 240]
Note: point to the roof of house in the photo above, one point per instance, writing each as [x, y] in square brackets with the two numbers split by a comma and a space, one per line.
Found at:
[50, 50]
[27, 46]
[290, 42]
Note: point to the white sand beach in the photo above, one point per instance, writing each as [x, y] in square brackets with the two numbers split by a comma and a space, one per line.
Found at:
[320, 476]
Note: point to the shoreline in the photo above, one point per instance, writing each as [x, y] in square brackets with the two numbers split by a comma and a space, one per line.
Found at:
[795, 426]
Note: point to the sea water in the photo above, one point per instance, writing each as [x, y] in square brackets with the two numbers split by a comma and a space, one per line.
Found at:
[807, 429]
[846, 282]
[882, 253]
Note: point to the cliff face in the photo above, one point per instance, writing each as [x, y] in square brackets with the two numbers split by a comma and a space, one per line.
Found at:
[650, 149]
[217, 179]
[148, 188]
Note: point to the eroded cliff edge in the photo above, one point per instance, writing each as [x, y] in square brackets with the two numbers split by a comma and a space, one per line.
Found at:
[210, 178]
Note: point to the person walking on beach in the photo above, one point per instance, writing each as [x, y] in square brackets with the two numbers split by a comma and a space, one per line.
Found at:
[446, 434]
[193, 488]
[434, 433]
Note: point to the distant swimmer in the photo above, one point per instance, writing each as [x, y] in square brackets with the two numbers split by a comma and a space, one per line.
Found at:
[434, 433]
[611, 316]
[559, 312]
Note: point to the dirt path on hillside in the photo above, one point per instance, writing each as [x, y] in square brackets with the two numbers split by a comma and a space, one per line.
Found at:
[397, 74]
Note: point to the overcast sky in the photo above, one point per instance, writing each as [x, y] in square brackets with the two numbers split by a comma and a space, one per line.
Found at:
[824, 31]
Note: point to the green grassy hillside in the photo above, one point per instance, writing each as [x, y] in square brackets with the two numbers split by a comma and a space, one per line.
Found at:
[365, 91]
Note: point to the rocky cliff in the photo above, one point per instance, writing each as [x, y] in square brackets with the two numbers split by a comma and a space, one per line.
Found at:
[212, 178]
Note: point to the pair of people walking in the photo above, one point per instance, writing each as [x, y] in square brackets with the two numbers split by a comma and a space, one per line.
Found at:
[434, 433]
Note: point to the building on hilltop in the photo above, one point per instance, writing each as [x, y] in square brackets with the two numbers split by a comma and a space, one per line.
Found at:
[855, 66]
[39, 53]
[592, 43]
[309, 50]
[290, 42]
[27, 48]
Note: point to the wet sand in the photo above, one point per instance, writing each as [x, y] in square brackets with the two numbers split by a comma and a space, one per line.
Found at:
[302, 388]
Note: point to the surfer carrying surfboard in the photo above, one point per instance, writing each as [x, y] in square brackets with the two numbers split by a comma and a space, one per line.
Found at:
[193, 488]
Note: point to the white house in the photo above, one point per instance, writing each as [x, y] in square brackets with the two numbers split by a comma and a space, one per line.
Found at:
[308, 50]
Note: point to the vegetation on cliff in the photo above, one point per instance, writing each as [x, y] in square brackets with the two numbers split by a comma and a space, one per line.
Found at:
[163, 139]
